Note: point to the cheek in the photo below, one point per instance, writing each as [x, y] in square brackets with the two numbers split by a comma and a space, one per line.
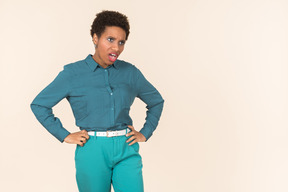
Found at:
[104, 50]
[104, 46]
[121, 49]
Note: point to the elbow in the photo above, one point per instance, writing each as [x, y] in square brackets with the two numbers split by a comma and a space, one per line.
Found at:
[162, 101]
[34, 109]
[37, 109]
[33, 106]
[158, 104]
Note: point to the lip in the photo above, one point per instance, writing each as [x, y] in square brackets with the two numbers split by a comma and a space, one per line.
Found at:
[114, 54]
[112, 58]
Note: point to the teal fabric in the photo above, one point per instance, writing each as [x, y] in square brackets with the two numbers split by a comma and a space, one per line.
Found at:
[100, 98]
[105, 160]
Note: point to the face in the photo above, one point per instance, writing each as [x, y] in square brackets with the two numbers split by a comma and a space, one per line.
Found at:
[109, 46]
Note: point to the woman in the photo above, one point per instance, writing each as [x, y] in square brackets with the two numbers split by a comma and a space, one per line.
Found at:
[100, 89]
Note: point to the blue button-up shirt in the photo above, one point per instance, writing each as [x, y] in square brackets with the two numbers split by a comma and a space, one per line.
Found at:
[100, 98]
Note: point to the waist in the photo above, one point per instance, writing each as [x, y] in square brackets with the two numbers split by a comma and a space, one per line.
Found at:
[109, 133]
[116, 128]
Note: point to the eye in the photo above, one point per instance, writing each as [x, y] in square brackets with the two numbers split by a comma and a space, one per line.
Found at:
[122, 42]
[110, 39]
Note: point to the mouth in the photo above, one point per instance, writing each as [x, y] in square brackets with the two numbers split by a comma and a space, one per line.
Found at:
[113, 57]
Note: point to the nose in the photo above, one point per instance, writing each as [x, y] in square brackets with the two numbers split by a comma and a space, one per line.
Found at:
[115, 47]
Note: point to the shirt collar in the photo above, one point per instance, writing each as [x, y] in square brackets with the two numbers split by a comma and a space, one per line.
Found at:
[94, 65]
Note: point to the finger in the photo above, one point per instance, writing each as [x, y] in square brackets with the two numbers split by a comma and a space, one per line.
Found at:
[85, 136]
[84, 132]
[130, 139]
[80, 143]
[83, 140]
[132, 142]
[130, 133]
[130, 126]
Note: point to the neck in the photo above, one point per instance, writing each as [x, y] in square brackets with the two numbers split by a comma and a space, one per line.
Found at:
[96, 60]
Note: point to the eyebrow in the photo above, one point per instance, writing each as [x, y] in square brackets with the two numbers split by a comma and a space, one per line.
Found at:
[115, 38]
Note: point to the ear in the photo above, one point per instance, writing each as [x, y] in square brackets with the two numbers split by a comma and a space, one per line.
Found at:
[95, 39]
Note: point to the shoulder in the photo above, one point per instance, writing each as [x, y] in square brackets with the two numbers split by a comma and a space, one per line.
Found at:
[130, 70]
[127, 66]
[75, 67]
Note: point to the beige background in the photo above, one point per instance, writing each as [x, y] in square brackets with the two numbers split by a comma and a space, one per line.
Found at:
[221, 67]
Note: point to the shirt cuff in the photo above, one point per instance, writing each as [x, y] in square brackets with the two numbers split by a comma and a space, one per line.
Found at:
[62, 134]
[146, 133]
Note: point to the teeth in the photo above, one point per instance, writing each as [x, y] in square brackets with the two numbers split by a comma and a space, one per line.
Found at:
[114, 55]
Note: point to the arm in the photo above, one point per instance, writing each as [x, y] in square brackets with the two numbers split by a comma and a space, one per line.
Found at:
[149, 95]
[42, 105]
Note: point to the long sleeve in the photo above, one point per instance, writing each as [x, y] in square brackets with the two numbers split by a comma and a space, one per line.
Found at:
[42, 105]
[154, 104]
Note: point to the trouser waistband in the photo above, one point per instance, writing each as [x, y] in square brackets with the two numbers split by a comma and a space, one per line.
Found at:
[109, 133]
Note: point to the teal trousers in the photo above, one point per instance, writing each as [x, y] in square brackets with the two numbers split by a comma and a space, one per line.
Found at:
[106, 161]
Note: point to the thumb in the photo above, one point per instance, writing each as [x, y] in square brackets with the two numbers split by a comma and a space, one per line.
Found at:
[130, 126]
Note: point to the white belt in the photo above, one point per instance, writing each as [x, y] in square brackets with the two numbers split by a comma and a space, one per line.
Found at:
[109, 133]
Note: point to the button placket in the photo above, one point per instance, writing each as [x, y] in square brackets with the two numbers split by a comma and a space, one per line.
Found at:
[107, 85]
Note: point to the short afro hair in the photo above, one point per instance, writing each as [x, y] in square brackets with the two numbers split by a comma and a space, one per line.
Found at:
[109, 18]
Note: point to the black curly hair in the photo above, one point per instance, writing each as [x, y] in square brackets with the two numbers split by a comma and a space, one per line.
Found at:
[109, 18]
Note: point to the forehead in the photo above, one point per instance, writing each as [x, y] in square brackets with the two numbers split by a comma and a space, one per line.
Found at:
[116, 32]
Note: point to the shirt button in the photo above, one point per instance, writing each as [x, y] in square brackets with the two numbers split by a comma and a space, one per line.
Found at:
[112, 109]
[105, 70]
[111, 93]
